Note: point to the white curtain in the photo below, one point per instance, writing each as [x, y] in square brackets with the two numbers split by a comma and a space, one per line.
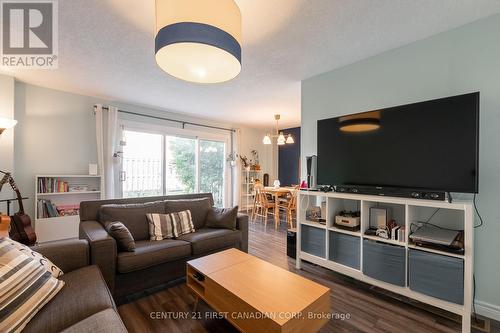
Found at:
[236, 169]
[106, 134]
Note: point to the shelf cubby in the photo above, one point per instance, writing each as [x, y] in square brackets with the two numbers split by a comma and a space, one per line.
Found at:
[336, 205]
[437, 217]
[344, 249]
[313, 241]
[306, 203]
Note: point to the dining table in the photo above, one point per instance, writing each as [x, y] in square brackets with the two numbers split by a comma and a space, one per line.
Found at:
[277, 192]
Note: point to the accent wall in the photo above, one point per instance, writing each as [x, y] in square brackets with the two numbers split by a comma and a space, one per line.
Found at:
[458, 61]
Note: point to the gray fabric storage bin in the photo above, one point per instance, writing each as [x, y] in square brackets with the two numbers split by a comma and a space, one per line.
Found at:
[312, 241]
[384, 262]
[437, 275]
[344, 249]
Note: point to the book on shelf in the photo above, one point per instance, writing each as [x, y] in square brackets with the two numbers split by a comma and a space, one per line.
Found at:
[52, 185]
[68, 210]
[47, 209]
[398, 233]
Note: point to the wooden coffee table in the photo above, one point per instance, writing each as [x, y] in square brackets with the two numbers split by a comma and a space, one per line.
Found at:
[256, 296]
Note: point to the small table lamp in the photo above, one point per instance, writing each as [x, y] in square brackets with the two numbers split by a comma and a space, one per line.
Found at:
[276, 183]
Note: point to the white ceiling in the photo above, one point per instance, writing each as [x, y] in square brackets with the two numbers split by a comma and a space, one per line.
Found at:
[106, 49]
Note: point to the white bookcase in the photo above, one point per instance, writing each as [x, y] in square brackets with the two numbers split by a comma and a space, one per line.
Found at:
[247, 188]
[345, 251]
[64, 227]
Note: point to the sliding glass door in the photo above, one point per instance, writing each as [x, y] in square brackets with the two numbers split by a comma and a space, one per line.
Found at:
[162, 163]
[211, 173]
[180, 159]
[142, 166]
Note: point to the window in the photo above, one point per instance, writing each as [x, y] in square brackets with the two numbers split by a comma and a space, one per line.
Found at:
[168, 163]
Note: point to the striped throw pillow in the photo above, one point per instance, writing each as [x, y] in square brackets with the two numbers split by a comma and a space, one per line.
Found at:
[25, 287]
[184, 222]
[49, 266]
[165, 226]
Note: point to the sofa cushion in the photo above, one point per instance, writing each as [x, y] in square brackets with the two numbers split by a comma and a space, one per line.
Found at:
[133, 216]
[151, 253]
[106, 321]
[199, 209]
[84, 294]
[209, 240]
[224, 218]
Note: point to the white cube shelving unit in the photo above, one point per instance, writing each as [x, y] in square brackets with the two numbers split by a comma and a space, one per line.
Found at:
[315, 243]
[64, 227]
[247, 188]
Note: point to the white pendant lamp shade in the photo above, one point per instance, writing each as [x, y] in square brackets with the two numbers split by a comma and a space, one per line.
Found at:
[198, 40]
[267, 140]
[289, 139]
[281, 139]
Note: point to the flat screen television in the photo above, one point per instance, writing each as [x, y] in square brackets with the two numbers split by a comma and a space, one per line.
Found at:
[432, 145]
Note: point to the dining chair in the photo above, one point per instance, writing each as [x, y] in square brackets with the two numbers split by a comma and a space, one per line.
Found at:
[256, 184]
[263, 206]
[289, 206]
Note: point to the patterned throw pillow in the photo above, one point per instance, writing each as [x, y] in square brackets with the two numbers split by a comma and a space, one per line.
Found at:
[46, 263]
[164, 226]
[184, 222]
[25, 286]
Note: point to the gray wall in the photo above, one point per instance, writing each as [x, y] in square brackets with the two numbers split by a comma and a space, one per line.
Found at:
[56, 134]
[462, 60]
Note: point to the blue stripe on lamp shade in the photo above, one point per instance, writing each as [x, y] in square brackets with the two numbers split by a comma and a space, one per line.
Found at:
[197, 33]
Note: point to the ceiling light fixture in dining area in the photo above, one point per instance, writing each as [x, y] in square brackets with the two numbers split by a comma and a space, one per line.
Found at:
[281, 139]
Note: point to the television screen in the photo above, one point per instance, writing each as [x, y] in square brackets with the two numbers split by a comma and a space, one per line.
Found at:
[429, 145]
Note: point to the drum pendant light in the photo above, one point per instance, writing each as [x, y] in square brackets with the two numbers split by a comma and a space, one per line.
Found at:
[198, 40]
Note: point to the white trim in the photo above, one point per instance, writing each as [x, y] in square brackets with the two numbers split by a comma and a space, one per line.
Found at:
[488, 310]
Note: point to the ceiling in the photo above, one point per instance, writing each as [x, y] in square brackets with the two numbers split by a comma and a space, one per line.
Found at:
[106, 50]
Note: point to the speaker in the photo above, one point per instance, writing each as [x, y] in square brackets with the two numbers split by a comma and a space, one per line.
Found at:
[312, 171]
[291, 244]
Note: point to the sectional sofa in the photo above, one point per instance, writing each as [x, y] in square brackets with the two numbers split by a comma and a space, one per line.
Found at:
[153, 263]
[85, 303]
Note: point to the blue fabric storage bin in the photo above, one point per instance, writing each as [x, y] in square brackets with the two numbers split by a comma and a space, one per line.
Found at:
[313, 241]
[344, 249]
[437, 275]
[384, 262]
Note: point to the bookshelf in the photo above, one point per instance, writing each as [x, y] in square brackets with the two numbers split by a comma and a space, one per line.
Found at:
[247, 188]
[57, 200]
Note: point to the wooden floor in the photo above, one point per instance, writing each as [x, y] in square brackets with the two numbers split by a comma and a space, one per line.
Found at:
[360, 308]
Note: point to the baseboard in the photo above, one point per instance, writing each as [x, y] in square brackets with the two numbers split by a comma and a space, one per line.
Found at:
[488, 310]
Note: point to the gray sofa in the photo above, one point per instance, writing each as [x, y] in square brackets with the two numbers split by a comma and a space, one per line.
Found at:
[153, 263]
[85, 303]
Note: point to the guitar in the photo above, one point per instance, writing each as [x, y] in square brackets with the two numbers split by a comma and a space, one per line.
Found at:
[21, 229]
